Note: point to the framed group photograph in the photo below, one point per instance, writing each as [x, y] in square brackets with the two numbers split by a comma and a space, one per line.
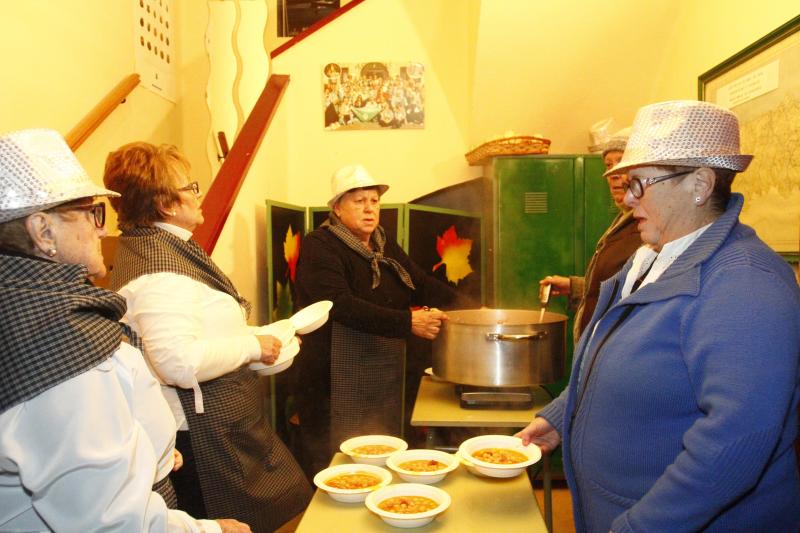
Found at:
[761, 85]
[373, 96]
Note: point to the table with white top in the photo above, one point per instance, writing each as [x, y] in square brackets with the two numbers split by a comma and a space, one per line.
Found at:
[438, 406]
[479, 504]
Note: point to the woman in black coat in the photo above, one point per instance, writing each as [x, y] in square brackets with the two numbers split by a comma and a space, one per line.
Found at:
[348, 378]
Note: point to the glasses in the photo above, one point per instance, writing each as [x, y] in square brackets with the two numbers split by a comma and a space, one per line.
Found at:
[193, 186]
[98, 211]
[637, 185]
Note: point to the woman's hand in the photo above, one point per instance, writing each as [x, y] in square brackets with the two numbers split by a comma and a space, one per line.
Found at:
[229, 525]
[559, 285]
[426, 322]
[270, 348]
[541, 433]
[178, 459]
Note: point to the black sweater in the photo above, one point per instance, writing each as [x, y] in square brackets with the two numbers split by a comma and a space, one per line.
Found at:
[328, 270]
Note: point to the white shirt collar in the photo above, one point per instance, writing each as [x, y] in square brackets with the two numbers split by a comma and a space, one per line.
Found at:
[179, 232]
[646, 256]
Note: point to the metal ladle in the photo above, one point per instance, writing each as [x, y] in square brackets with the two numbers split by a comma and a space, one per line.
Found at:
[544, 299]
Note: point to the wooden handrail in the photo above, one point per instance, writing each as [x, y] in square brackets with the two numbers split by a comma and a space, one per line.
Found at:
[219, 200]
[314, 27]
[96, 116]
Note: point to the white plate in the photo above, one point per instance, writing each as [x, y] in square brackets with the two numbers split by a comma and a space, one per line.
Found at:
[395, 460]
[311, 317]
[351, 495]
[470, 466]
[365, 440]
[469, 446]
[407, 489]
[434, 377]
[284, 360]
[283, 330]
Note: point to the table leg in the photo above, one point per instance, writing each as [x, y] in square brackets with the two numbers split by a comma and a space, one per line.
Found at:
[548, 494]
[430, 438]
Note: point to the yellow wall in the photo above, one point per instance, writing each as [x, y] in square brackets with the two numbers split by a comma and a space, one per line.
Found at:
[298, 156]
[413, 162]
[546, 67]
[710, 31]
[61, 58]
[193, 71]
[492, 66]
[558, 67]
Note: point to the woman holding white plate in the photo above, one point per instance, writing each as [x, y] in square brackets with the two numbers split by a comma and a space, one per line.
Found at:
[198, 344]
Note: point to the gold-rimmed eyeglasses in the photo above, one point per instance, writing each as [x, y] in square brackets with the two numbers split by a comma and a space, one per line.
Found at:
[193, 186]
[97, 210]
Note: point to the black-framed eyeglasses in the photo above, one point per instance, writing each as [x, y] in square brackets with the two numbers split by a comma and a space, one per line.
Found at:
[193, 186]
[637, 185]
[97, 210]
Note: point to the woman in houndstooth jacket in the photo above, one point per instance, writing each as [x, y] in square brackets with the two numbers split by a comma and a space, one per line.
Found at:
[198, 344]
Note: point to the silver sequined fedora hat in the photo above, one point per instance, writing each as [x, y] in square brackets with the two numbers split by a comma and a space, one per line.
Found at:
[683, 133]
[39, 171]
[352, 177]
[617, 142]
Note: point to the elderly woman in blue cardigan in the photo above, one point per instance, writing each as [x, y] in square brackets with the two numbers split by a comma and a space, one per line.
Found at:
[682, 405]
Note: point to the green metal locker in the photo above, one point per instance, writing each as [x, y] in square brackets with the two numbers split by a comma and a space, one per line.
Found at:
[549, 212]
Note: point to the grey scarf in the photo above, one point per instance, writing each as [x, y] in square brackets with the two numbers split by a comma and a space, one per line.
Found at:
[54, 325]
[374, 256]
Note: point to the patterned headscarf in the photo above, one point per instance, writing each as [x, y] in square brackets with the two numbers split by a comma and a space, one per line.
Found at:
[54, 325]
[149, 250]
[374, 256]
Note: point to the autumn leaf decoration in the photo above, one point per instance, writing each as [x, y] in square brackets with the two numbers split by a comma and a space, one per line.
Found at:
[283, 302]
[454, 253]
[291, 251]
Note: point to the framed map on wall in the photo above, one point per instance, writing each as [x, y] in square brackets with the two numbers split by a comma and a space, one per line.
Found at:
[761, 84]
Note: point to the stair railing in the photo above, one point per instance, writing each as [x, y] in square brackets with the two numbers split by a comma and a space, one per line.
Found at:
[98, 114]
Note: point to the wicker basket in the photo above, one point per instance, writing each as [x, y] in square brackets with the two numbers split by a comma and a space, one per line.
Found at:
[519, 145]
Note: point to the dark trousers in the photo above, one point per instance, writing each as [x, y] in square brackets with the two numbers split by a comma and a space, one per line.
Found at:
[313, 449]
[186, 480]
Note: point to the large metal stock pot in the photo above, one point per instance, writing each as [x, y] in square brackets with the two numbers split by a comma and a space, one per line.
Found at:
[500, 347]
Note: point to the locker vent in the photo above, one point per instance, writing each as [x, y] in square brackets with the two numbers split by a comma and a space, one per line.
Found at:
[535, 203]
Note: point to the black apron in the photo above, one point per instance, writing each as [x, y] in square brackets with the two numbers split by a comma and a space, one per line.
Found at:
[366, 384]
[245, 471]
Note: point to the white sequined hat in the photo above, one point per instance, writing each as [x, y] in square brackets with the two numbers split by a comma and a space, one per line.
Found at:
[683, 133]
[352, 177]
[617, 142]
[38, 171]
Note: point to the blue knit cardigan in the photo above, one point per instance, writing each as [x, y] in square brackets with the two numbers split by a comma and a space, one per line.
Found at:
[685, 412]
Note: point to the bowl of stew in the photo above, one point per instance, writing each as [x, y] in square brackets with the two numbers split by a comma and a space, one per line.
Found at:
[499, 455]
[372, 449]
[408, 504]
[422, 466]
[351, 483]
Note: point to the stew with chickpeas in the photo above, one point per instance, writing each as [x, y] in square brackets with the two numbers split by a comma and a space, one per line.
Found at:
[500, 456]
[407, 504]
[353, 480]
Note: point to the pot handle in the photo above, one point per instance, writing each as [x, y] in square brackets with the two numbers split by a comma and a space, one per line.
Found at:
[538, 335]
